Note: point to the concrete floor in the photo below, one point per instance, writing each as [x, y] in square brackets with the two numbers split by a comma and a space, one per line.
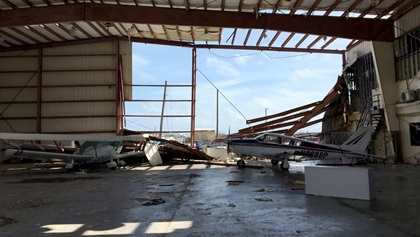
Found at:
[200, 200]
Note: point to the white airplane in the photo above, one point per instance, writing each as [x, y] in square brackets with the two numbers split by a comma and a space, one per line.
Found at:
[278, 147]
[96, 149]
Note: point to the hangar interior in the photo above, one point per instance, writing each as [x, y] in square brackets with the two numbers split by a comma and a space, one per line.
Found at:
[65, 66]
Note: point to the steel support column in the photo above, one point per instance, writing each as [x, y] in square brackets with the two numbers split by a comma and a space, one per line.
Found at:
[193, 94]
[39, 93]
[117, 90]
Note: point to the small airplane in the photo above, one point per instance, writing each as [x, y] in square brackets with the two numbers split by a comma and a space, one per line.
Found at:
[95, 149]
[278, 147]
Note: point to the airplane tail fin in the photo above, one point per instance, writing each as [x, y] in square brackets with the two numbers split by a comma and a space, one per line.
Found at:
[360, 139]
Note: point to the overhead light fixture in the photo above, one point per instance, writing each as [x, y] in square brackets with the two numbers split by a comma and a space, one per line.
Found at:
[133, 30]
[206, 35]
[73, 31]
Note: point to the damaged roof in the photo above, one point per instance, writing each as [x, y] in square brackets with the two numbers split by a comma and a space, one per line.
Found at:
[315, 24]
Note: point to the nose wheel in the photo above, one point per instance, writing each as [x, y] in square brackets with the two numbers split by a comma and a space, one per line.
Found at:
[240, 163]
[275, 162]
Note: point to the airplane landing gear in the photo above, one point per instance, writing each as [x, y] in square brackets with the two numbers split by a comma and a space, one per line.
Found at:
[112, 165]
[274, 162]
[240, 163]
[285, 165]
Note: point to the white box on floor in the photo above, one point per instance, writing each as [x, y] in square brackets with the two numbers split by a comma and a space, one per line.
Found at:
[344, 182]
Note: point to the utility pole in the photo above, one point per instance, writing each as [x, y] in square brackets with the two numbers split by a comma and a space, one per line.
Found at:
[163, 109]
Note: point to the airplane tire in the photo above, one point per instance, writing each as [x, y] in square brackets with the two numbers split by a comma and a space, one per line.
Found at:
[240, 163]
[275, 162]
[282, 166]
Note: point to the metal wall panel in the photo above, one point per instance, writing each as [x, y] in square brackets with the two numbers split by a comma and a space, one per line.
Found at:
[79, 109]
[408, 22]
[78, 93]
[97, 48]
[358, 51]
[78, 78]
[85, 74]
[78, 125]
[18, 79]
[18, 110]
[19, 64]
[20, 126]
[17, 94]
[126, 56]
[79, 63]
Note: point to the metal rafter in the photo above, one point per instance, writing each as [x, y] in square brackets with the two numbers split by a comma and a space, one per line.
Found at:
[288, 39]
[274, 38]
[315, 41]
[13, 6]
[351, 8]
[29, 3]
[104, 28]
[47, 2]
[406, 9]
[332, 7]
[12, 37]
[301, 40]
[222, 5]
[359, 28]
[234, 35]
[313, 7]
[328, 42]
[67, 31]
[262, 36]
[81, 30]
[40, 35]
[247, 37]
[367, 10]
[25, 35]
[95, 28]
[295, 7]
[390, 8]
[187, 5]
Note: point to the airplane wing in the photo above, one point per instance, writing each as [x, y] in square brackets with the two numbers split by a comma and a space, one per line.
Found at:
[69, 137]
[41, 155]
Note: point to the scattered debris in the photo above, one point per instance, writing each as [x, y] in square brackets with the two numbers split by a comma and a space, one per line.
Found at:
[234, 171]
[178, 148]
[231, 205]
[194, 175]
[298, 185]
[234, 182]
[264, 199]
[54, 180]
[166, 184]
[260, 190]
[299, 182]
[154, 202]
[6, 220]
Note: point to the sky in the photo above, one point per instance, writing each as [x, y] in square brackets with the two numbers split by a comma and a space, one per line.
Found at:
[253, 81]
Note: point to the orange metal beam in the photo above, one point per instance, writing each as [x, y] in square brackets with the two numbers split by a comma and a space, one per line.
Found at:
[334, 92]
[352, 28]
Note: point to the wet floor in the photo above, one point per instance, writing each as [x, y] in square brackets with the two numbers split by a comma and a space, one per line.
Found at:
[200, 200]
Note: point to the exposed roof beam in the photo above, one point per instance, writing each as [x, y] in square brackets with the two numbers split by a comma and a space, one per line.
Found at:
[352, 28]
[171, 43]
[274, 38]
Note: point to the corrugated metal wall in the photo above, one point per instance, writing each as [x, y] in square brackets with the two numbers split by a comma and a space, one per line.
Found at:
[78, 88]
[408, 22]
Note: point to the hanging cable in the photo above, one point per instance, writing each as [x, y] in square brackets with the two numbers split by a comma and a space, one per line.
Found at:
[221, 93]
